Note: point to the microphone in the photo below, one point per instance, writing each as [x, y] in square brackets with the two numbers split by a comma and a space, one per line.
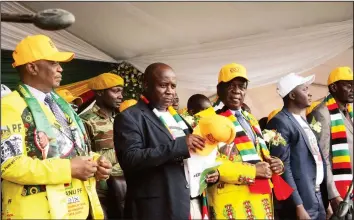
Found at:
[49, 19]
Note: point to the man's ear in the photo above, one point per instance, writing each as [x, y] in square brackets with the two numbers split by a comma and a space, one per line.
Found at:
[99, 93]
[31, 68]
[292, 95]
[333, 87]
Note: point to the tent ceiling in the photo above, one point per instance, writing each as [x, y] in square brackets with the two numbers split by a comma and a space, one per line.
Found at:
[284, 32]
[128, 29]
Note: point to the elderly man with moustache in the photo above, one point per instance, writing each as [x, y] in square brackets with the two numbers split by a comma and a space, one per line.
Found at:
[47, 169]
[242, 189]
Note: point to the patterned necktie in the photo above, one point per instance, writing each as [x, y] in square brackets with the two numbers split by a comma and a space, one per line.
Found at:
[245, 125]
[57, 113]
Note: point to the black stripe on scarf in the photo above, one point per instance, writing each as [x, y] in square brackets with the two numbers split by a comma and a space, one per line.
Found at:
[339, 141]
[341, 171]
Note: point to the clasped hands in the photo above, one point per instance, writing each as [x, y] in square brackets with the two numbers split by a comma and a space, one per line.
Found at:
[84, 167]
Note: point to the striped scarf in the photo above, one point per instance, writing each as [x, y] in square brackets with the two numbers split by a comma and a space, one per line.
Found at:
[249, 152]
[183, 126]
[341, 166]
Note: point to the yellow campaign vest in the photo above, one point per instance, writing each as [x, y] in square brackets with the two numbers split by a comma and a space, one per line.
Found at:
[63, 197]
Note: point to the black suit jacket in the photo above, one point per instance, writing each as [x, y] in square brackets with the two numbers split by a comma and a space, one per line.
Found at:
[300, 166]
[153, 166]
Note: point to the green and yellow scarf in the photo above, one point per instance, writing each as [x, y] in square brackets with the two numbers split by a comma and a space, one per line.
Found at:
[341, 166]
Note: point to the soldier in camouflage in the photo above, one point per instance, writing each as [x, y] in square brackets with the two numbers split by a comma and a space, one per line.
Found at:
[108, 88]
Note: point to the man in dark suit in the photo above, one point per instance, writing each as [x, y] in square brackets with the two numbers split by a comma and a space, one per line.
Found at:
[151, 151]
[305, 168]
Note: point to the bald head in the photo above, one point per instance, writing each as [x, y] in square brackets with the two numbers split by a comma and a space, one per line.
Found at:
[154, 70]
[160, 85]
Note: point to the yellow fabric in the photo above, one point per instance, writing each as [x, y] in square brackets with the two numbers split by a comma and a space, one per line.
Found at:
[312, 107]
[340, 73]
[105, 81]
[231, 71]
[77, 88]
[53, 173]
[38, 47]
[340, 159]
[214, 128]
[229, 197]
[67, 96]
[126, 104]
[337, 128]
[273, 113]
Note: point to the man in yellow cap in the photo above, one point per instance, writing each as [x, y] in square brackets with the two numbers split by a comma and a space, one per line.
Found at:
[335, 115]
[47, 169]
[108, 89]
[243, 189]
[74, 101]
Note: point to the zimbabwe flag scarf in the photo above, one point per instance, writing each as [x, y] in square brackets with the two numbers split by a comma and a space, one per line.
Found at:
[341, 166]
[254, 153]
[182, 124]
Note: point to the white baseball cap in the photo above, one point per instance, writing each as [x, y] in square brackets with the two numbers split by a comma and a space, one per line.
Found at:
[287, 83]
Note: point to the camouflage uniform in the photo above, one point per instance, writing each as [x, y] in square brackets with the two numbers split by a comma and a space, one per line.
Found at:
[99, 128]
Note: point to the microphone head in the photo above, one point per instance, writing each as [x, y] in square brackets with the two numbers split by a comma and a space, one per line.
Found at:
[53, 19]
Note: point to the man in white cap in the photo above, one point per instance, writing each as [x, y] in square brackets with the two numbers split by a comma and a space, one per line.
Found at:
[301, 155]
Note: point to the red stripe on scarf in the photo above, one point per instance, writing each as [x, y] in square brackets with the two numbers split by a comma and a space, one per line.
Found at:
[332, 107]
[243, 139]
[342, 165]
[340, 134]
[260, 186]
[342, 187]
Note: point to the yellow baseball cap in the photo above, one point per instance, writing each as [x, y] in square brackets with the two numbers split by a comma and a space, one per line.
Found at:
[273, 113]
[340, 73]
[126, 104]
[214, 129]
[68, 96]
[231, 71]
[38, 47]
[105, 81]
[312, 107]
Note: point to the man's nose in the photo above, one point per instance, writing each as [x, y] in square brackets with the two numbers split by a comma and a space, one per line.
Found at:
[60, 69]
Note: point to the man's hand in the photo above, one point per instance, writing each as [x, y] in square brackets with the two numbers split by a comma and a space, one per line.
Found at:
[195, 142]
[301, 213]
[213, 177]
[104, 168]
[275, 165]
[263, 170]
[83, 168]
[335, 203]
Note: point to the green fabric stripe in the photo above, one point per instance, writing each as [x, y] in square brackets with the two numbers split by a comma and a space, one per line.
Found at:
[337, 122]
[248, 152]
[177, 118]
[338, 153]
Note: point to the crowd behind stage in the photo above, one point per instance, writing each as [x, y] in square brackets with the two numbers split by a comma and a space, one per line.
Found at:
[133, 159]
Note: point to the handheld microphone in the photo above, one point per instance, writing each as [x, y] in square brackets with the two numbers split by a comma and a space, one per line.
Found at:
[49, 19]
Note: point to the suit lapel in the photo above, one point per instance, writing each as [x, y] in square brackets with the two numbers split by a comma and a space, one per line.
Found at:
[348, 124]
[150, 115]
[303, 134]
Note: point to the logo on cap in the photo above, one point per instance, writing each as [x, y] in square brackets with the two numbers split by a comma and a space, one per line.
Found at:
[234, 69]
[210, 138]
[51, 44]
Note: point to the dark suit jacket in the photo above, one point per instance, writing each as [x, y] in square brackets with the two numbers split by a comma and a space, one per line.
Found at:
[153, 166]
[300, 166]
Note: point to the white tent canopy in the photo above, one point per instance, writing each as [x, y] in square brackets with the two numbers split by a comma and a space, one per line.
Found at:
[270, 38]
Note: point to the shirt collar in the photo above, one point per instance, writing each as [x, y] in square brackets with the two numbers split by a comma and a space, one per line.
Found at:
[39, 95]
[101, 113]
